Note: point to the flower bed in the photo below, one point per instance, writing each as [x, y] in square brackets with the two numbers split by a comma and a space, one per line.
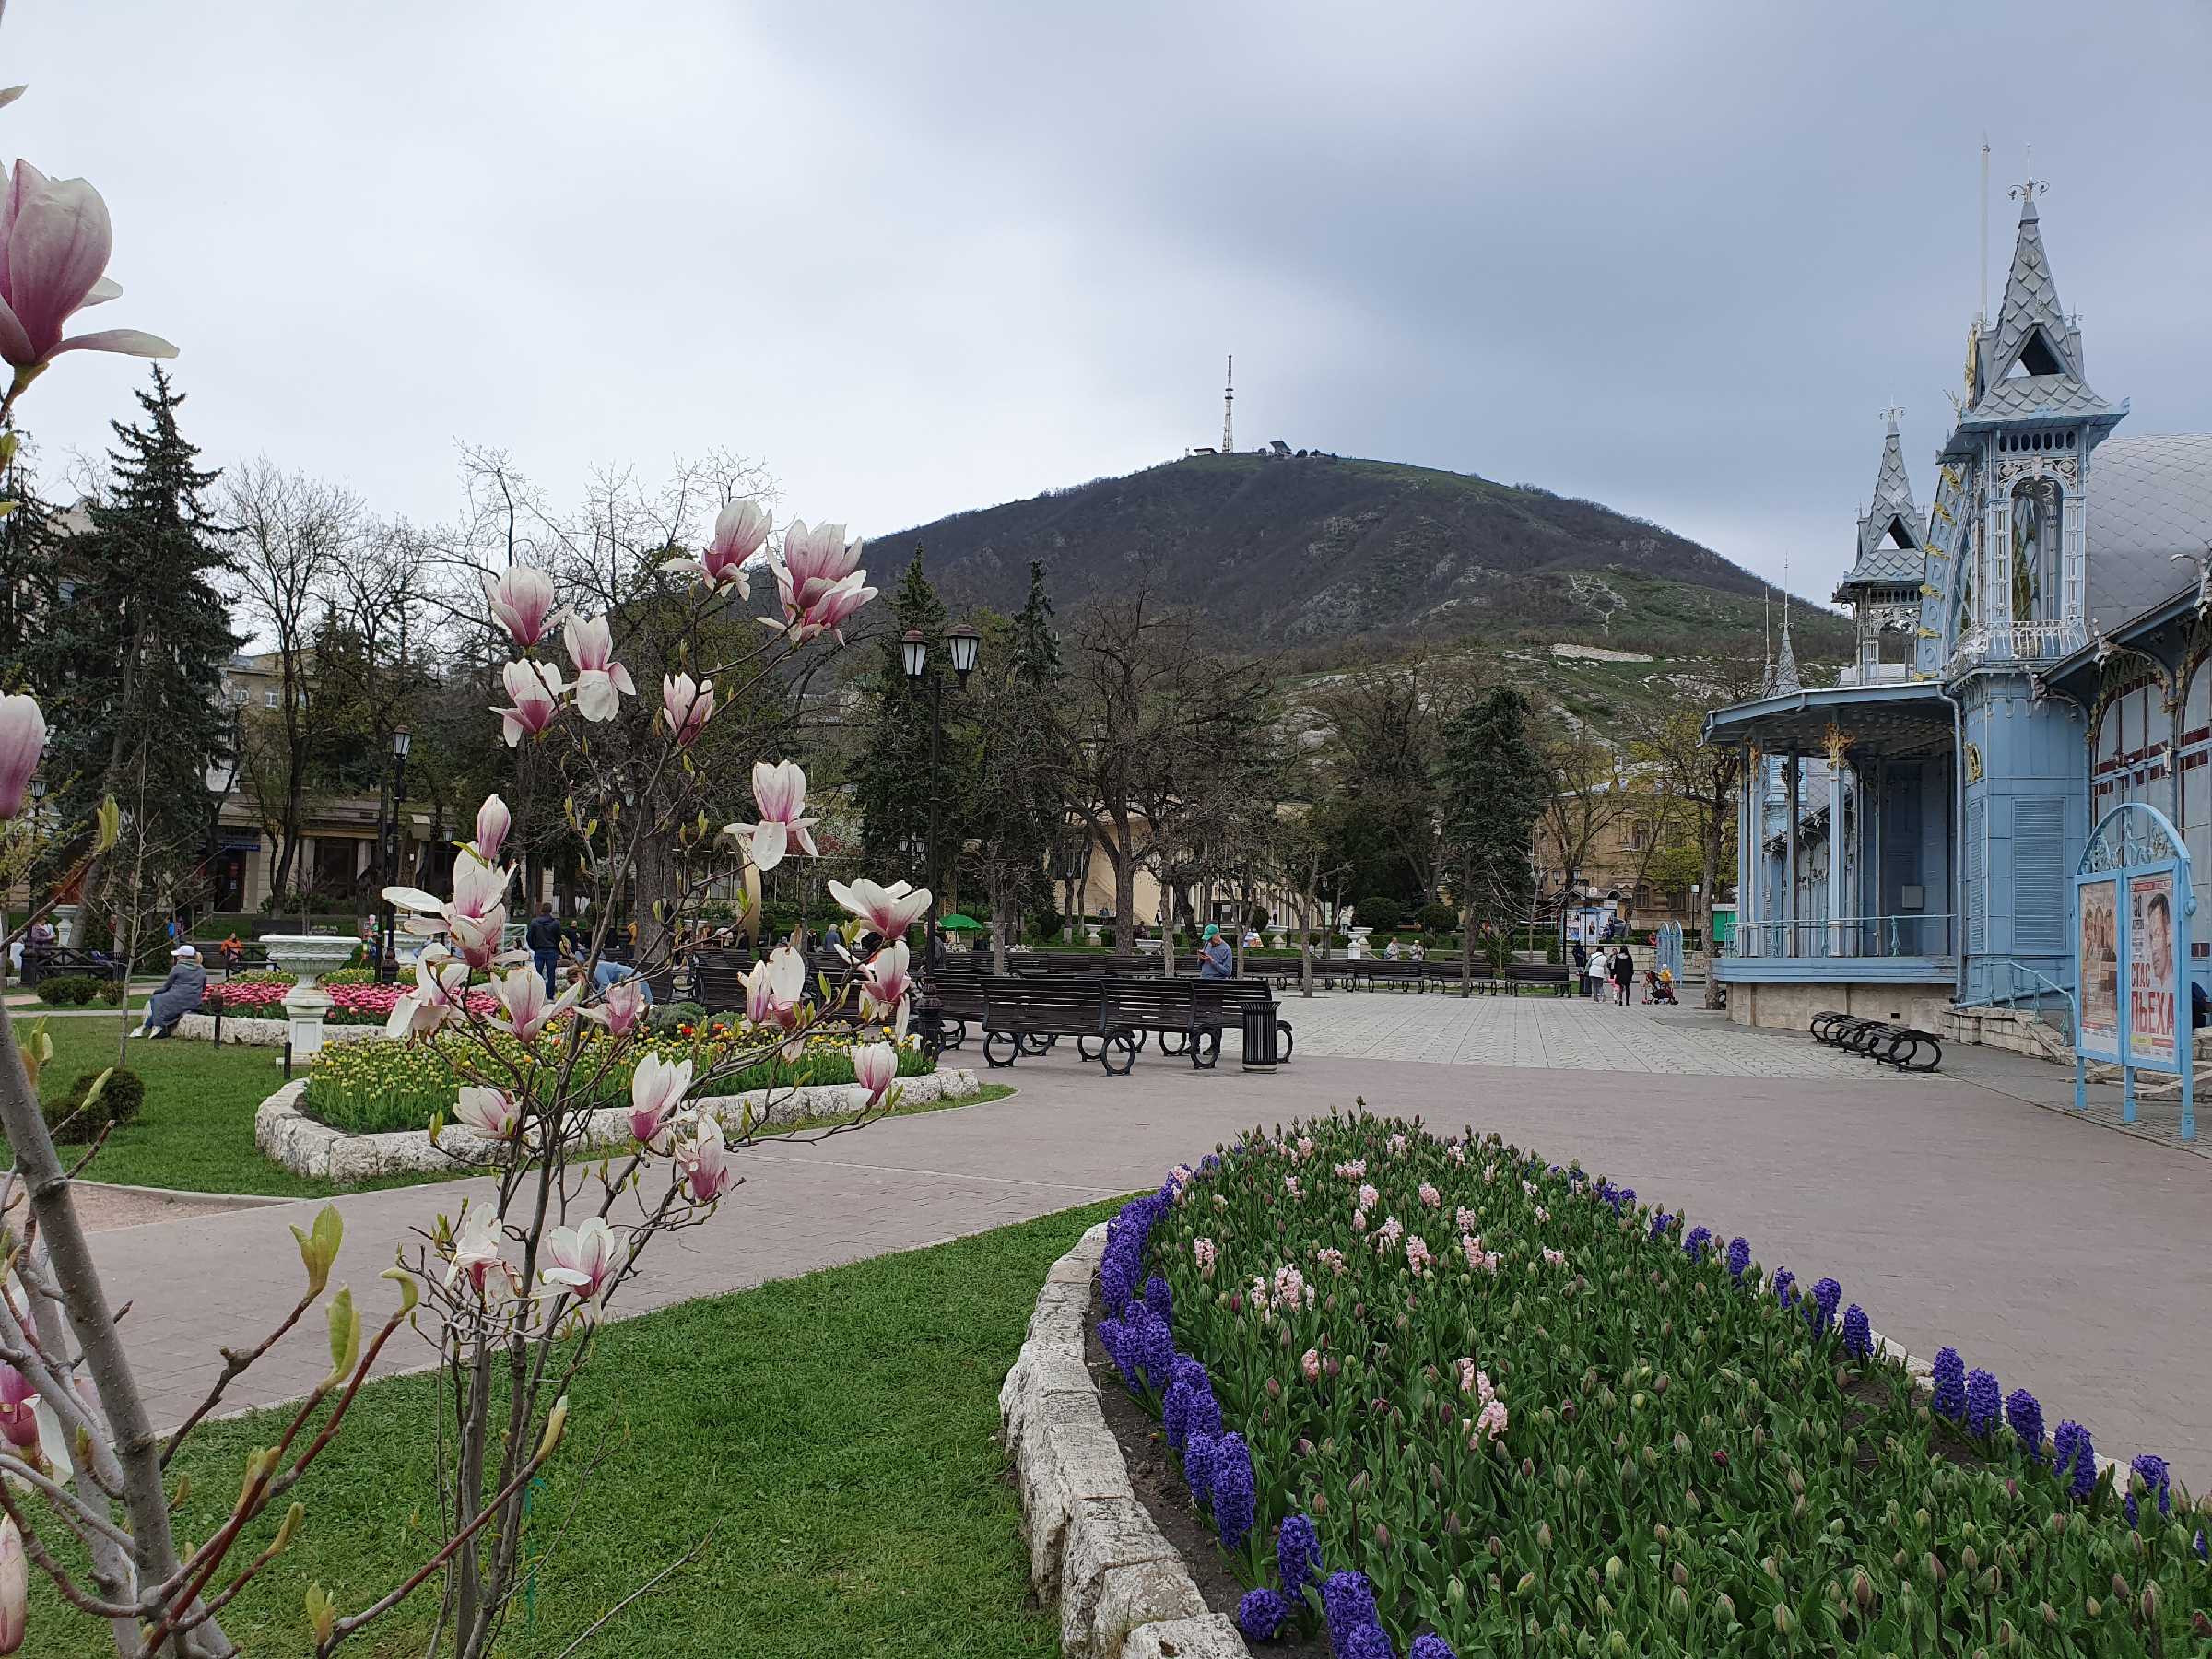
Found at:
[352, 1001]
[378, 1087]
[1497, 1405]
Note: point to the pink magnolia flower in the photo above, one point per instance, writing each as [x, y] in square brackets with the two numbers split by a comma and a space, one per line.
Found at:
[584, 1261]
[688, 705]
[476, 1249]
[780, 792]
[656, 1089]
[740, 531]
[493, 821]
[887, 911]
[875, 1068]
[439, 983]
[523, 602]
[18, 1408]
[55, 241]
[479, 888]
[15, 1586]
[1309, 1365]
[774, 987]
[885, 984]
[22, 740]
[529, 1010]
[704, 1160]
[476, 918]
[490, 1111]
[535, 688]
[620, 1007]
[818, 581]
[600, 682]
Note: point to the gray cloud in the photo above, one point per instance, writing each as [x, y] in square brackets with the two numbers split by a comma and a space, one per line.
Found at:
[925, 258]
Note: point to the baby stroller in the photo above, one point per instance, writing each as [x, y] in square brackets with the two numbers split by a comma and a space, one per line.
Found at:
[1659, 987]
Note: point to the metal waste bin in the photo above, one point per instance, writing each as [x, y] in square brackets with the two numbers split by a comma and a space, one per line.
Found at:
[1259, 1037]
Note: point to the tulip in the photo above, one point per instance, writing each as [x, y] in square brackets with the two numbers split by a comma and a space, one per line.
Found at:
[780, 792]
[493, 821]
[22, 739]
[620, 1007]
[656, 1089]
[583, 1260]
[490, 1111]
[537, 689]
[889, 911]
[476, 1249]
[705, 1161]
[600, 682]
[55, 241]
[529, 1009]
[687, 706]
[18, 1408]
[875, 1068]
[884, 982]
[523, 601]
[773, 988]
[15, 1586]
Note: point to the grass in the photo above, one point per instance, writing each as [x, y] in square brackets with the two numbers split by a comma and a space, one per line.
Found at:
[195, 1134]
[835, 1432]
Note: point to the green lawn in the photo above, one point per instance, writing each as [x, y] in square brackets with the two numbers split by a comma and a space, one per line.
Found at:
[835, 1432]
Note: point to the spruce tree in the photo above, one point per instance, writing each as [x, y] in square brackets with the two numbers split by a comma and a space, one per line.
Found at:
[894, 771]
[1014, 809]
[1494, 785]
[28, 538]
[136, 653]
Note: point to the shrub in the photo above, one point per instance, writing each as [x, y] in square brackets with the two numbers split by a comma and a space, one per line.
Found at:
[262, 976]
[1379, 912]
[1437, 918]
[669, 1016]
[68, 990]
[110, 992]
[68, 1119]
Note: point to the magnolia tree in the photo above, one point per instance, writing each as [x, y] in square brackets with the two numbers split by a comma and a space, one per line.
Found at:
[509, 1291]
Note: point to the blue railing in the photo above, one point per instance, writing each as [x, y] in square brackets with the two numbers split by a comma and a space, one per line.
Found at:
[1921, 934]
[2031, 984]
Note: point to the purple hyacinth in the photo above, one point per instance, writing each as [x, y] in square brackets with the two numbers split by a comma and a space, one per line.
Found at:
[1297, 1555]
[1198, 1464]
[1825, 1295]
[1694, 1246]
[1430, 1647]
[1201, 1410]
[1261, 1614]
[1858, 1332]
[1348, 1604]
[1739, 1257]
[1785, 1286]
[2027, 1419]
[1110, 1336]
[2155, 1479]
[1369, 1641]
[2203, 1554]
[1236, 1496]
[1161, 1299]
[1949, 1399]
[1175, 1405]
[1151, 1345]
[2077, 1456]
[1983, 1401]
[1660, 1223]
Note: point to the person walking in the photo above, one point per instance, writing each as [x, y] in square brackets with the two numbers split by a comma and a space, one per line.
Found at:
[1582, 966]
[1216, 960]
[1624, 973]
[543, 938]
[177, 994]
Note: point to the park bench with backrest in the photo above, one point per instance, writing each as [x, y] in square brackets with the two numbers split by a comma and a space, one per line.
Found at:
[1379, 972]
[1520, 976]
[1022, 1016]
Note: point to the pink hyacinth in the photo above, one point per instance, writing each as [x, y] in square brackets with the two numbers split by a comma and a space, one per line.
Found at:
[688, 705]
[780, 792]
[1290, 1186]
[535, 688]
[1398, 1145]
[1389, 1233]
[493, 821]
[1369, 1197]
[1309, 1365]
[1489, 1425]
[1417, 1254]
[1352, 1172]
[889, 912]
[1468, 1220]
[1333, 1259]
[600, 682]
[22, 741]
[1290, 1288]
[1430, 1196]
[1205, 1252]
[1558, 1258]
[521, 601]
[55, 241]
[1359, 1221]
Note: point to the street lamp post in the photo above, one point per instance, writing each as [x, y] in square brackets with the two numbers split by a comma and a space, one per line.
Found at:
[402, 740]
[961, 644]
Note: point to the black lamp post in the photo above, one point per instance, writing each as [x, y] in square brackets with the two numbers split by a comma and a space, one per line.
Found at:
[962, 642]
[402, 739]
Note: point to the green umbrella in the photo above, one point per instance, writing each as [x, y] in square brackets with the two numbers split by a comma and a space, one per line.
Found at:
[954, 922]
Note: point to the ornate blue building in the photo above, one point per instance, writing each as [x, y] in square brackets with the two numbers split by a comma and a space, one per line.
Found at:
[2030, 654]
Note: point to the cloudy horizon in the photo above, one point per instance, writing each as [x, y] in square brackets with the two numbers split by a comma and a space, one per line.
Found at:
[922, 259]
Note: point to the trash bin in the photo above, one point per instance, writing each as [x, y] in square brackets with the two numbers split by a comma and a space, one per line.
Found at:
[1259, 1037]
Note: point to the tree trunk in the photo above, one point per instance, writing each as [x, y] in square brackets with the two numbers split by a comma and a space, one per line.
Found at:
[1124, 893]
[1714, 830]
[1466, 929]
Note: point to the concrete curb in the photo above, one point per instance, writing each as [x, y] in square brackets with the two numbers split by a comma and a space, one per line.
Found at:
[1122, 1589]
[296, 1141]
[249, 1033]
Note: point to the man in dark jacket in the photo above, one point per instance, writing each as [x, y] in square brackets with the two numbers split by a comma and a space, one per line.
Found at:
[543, 936]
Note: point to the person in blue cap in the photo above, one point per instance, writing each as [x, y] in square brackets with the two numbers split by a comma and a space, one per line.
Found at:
[1216, 959]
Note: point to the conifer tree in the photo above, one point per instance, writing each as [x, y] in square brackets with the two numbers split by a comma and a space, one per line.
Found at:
[893, 779]
[1016, 806]
[1494, 784]
[136, 653]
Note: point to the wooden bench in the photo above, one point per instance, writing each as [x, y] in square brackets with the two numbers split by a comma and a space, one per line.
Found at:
[1376, 970]
[1559, 976]
[1897, 1046]
[1019, 1011]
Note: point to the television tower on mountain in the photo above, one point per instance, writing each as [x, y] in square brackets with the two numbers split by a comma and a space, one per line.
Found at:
[1228, 398]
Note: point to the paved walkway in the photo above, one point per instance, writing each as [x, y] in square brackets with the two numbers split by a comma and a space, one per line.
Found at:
[2066, 1259]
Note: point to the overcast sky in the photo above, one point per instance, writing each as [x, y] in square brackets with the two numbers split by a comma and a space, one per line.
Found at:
[924, 257]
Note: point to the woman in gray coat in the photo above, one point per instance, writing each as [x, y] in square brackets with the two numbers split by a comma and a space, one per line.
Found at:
[179, 995]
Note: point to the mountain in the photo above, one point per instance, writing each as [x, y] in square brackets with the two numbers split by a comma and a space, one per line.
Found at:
[1308, 550]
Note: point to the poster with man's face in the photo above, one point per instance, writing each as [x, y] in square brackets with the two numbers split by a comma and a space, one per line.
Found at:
[2099, 970]
[2153, 985]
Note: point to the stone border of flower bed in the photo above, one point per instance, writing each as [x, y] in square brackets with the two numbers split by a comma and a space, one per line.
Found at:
[289, 1136]
[267, 1033]
[1123, 1590]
